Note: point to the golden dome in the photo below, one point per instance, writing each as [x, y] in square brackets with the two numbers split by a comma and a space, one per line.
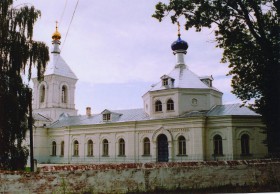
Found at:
[56, 35]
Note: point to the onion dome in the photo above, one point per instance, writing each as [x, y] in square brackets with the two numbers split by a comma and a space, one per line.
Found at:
[56, 35]
[179, 44]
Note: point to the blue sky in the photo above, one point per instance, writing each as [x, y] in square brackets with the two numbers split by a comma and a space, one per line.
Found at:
[117, 50]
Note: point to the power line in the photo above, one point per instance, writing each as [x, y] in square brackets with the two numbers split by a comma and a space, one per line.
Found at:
[70, 23]
[62, 14]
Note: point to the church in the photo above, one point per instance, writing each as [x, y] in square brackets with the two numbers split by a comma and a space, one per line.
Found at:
[182, 119]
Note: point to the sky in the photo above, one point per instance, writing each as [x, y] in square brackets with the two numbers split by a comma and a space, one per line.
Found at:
[117, 50]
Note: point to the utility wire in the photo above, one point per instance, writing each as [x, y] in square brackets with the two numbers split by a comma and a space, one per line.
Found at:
[70, 24]
[62, 14]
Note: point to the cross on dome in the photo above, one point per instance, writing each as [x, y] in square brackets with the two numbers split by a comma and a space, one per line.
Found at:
[56, 35]
[178, 24]
[179, 44]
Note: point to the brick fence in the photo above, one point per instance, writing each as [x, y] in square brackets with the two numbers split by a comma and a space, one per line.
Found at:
[122, 178]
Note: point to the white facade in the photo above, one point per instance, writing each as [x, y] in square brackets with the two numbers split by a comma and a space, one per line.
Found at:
[55, 94]
[182, 119]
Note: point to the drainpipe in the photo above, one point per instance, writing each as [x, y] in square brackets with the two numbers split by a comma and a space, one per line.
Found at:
[30, 130]
[135, 144]
[204, 141]
[69, 145]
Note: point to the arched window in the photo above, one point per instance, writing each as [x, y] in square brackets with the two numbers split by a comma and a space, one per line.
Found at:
[76, 148]
[42, 93]
[147, 147]
[105, 147]
[53, 148]
[62, 148]
[245, 149]
[121, 147]
[218, 145]
[170, 104]
[158, 106]
[182, 145]
[90, 148]
[64, 94]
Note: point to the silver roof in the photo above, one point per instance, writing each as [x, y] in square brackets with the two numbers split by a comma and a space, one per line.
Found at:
[123, 116]
[140, 115]
[58, 66]
[231, 109]
[39, 117]
[184, 78]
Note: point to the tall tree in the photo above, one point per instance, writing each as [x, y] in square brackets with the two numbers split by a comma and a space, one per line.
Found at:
[18, 51]
[249, 33]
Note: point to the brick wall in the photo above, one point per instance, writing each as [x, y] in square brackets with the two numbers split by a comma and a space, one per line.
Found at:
[120, 178]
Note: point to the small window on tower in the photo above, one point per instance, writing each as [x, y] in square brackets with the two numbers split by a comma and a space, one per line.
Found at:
[42, 93]
[165, 82]
[170, 105]
[158, 106]
[107, 117]
[64, 94]
[172, 82]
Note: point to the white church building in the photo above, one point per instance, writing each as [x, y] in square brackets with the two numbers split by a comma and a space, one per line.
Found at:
[182, 119]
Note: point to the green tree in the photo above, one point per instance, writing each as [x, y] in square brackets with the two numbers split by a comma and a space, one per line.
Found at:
[18, 52]
[248, 31]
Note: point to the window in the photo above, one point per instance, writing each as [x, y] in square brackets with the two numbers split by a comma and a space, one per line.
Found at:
[182, 145]
[218, 145]
[172, 82]
[207, 81]
[194, 102]
[107, 117]
[245, 150]
[53, 148]
[64, 94]
[76, 148]
[105, 147]
[158, 106]
[121, 147]
[42, 93]
[90, 148]
[146, 147]
[170, 104]
[62, 148]
[165, 82]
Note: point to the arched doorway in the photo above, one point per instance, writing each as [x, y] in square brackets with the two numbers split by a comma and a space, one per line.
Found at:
[162, 148]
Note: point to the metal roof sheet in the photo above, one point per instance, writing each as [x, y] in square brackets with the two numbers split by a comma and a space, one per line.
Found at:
[58, 66]
[124, 115]
[39, 117]
[231, 109]
[184, 78]
[140, 115]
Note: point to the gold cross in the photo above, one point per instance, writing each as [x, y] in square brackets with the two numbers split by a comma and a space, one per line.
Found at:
[178, 24]
[56, 25]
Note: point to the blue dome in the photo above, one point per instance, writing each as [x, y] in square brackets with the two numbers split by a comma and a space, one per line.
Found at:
[179, 44]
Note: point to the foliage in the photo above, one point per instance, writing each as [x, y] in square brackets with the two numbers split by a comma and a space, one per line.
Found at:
[18, 52]
[249, 33]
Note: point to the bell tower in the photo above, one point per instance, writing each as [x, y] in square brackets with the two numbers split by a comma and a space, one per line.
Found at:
[55, 94]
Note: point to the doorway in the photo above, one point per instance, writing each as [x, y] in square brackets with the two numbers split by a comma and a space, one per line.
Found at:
[162, 148]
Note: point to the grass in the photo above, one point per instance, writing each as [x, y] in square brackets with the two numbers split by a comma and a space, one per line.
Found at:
[270, 187]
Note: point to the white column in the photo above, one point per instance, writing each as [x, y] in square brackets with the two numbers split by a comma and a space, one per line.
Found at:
[180, 57]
